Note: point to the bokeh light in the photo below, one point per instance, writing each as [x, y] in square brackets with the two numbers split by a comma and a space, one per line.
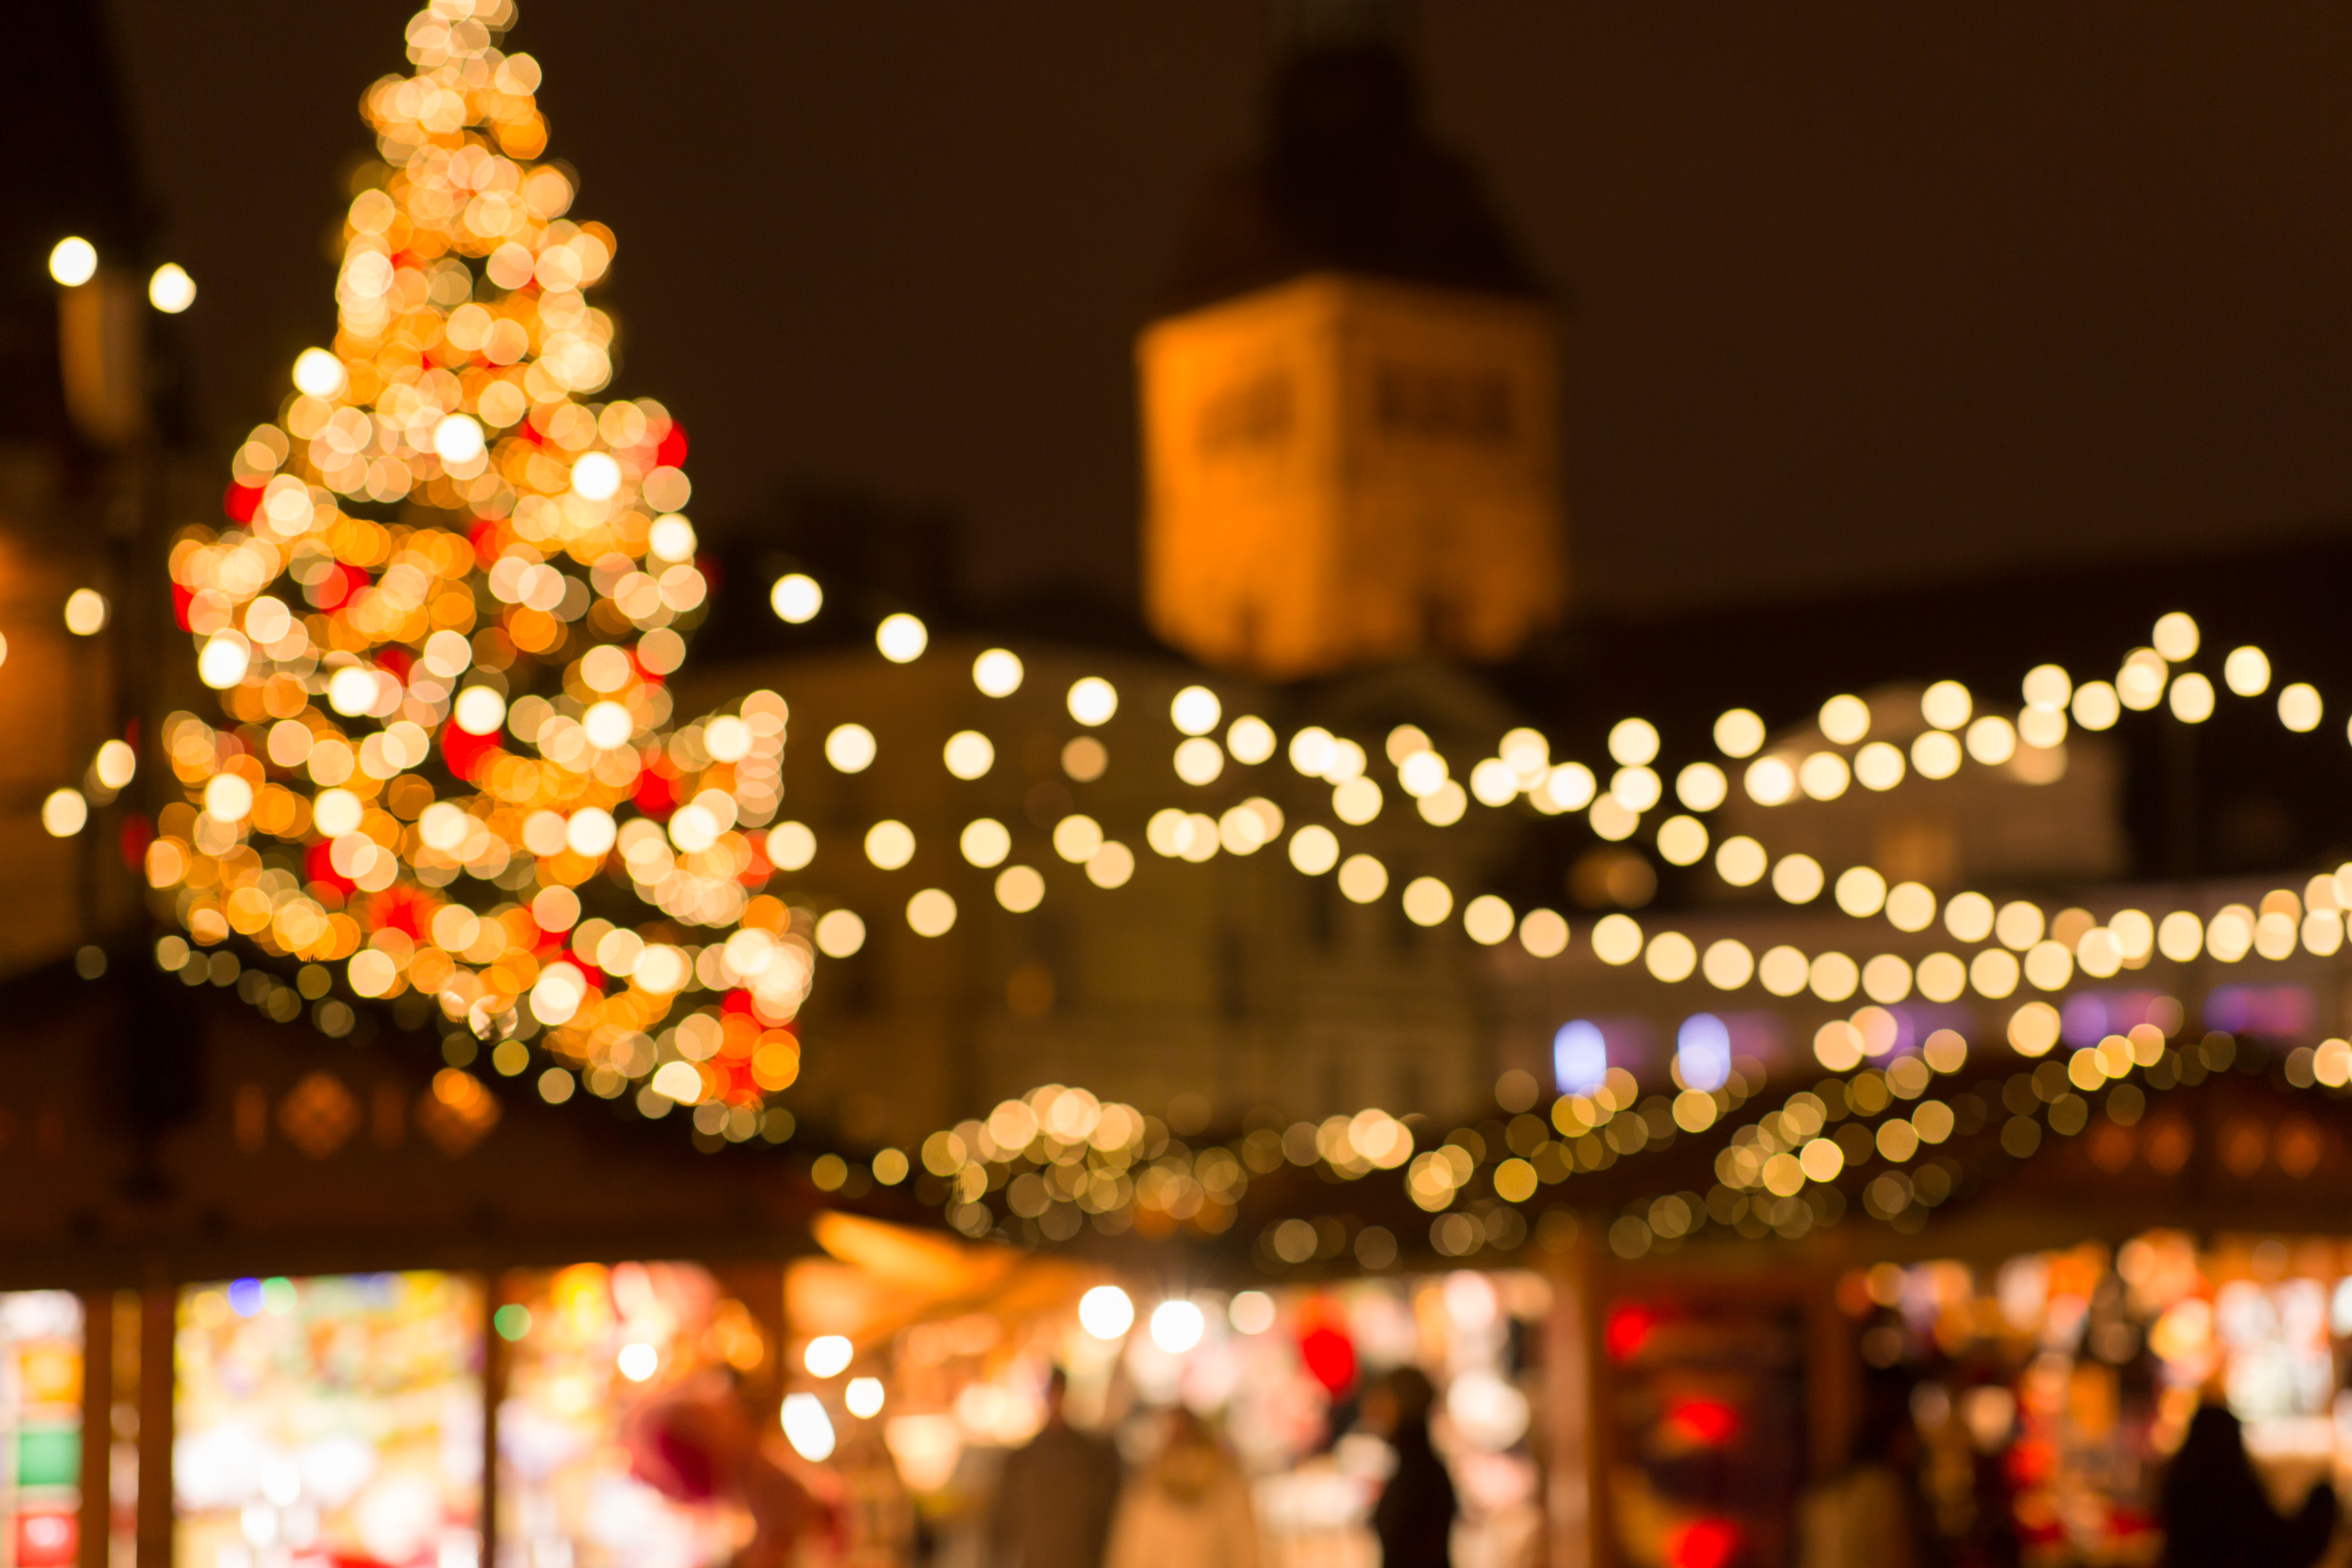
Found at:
[1106, 1313]
[170, 288]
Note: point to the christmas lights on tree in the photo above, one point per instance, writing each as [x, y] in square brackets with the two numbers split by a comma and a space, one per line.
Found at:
[452, 582]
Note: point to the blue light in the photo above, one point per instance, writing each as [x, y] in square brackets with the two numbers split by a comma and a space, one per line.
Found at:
[1702, 1051]
[246, 1297]
[1580, 1057]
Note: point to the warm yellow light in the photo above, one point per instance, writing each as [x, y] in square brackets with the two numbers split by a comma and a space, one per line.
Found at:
[1846, 720]
[1363, 878]
[1313, 849]
[1198, 760]
[229, 798]
[901, 638]
[1488, 920]
[65, 813]
[479, 711]
[1427, 901]
[1093, 701]
[115, 764]
[930, 912]
[997, 672]
[73, 261]
[1195, 711]
[2299, 707]
[889, 845]
[850, 748]
[840, 933]
[796, 599]
[318, 373]
[171, 290]
[1250, 740]
[2247, 671]
[1633, 742]
[86, 611]
[671, 538]
[985, 842]
[1739, 733]
[1020, 889]
[1544, 933]
[1946, 705]
[596, 476]
[969, 754]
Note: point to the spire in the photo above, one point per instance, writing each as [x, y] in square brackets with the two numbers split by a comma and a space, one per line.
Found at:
[1347, 177]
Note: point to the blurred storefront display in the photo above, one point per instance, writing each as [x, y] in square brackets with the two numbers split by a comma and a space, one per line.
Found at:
[40, 1428]
[1704, 1412]
[589, 1352]
[330, 1419]
[2048, 1391]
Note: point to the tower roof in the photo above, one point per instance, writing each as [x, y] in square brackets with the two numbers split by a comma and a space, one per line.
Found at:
[1349, 179]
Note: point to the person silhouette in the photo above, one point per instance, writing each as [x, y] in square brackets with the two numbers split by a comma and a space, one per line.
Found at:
[2216, 1514]
[1414, 1515]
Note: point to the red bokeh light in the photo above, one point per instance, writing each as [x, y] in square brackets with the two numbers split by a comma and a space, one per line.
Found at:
[1704, 1543]
[318, 866]
[1330, 1357]
[1703, 1423]
[1627, 1331]
[466, 751]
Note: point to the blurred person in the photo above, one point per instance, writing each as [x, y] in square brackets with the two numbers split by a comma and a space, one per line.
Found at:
[2216, 1514]
[1414, 1516]
[703, 1443]
[1190, 1507]
[1868, 1515]
[1055, 1495]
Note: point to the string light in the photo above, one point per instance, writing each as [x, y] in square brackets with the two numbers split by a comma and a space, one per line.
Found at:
[487, 670]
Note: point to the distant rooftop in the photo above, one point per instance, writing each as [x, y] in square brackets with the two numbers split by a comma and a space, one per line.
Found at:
[1348, 180]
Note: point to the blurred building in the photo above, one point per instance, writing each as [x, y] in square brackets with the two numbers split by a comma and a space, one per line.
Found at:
[1351, 413]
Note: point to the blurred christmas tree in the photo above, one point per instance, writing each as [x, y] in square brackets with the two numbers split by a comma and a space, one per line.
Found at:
[440, 622]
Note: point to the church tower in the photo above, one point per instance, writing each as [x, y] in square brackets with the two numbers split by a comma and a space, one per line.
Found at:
[1349, 412]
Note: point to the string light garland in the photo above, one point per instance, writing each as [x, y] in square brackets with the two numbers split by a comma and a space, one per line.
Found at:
[455, 579]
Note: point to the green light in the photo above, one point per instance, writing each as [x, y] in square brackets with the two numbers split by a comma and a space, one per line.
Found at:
[279, 1296]
[512, 1322]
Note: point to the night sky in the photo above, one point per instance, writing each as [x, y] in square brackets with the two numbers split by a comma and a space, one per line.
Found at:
[1853, 293]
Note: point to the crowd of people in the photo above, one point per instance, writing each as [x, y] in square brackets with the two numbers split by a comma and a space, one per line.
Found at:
[2213, 1509]
[1067, 1500]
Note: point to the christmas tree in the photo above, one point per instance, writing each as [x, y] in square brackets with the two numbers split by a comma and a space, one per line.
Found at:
[440, 618]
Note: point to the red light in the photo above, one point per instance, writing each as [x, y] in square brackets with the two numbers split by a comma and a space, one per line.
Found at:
[45, 1538]
[403, 909]
[656, 793]
[335, 589]
[241, 503]
[318, 866]
[466, 751]
[1627, 1331]
[137, 834]
[1703, 1423]
[672, 450]
[1704, 1543]
[1330, 1357]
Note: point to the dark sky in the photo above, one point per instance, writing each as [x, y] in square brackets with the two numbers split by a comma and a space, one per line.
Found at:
[1855, 292]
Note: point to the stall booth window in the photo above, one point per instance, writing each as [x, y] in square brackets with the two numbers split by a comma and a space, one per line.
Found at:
[40, 1428]
[336, 1418]
[607, 1369]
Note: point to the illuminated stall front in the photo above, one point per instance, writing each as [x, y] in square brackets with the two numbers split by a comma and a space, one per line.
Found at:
[337, 1417]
